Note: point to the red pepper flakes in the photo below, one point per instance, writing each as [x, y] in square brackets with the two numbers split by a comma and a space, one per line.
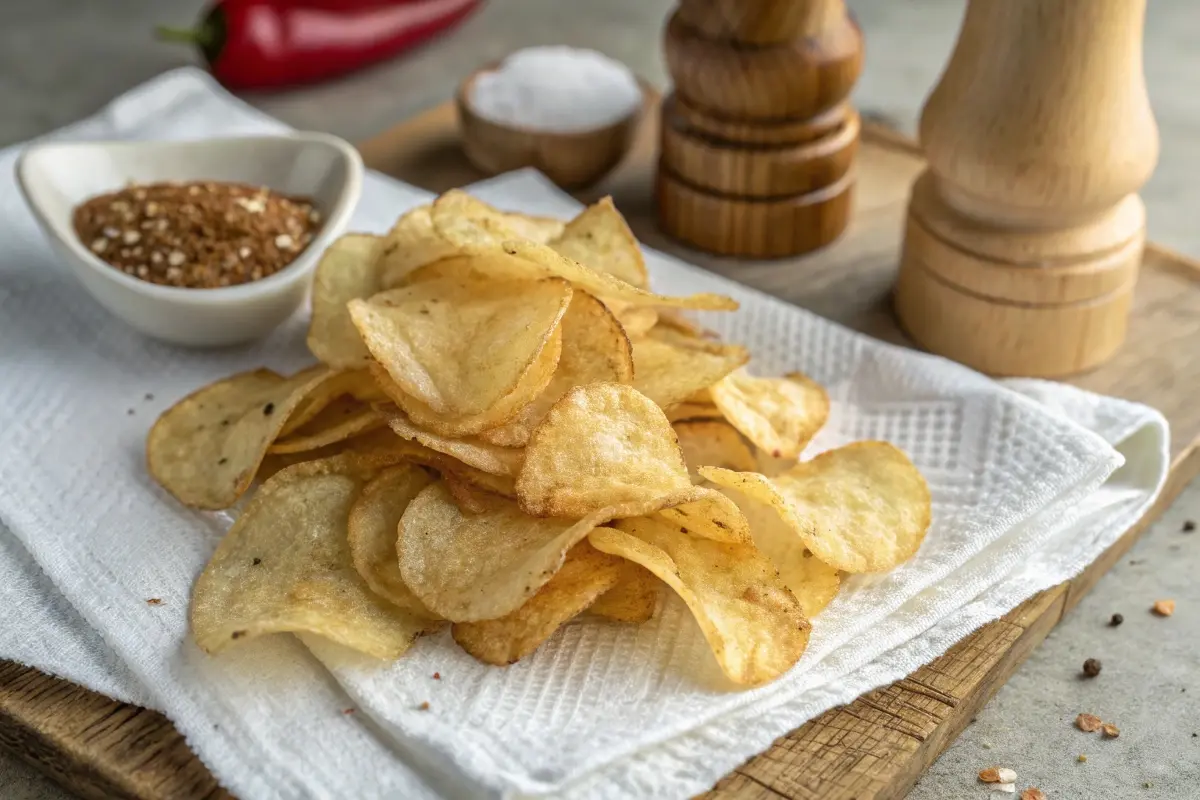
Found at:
[198, 235]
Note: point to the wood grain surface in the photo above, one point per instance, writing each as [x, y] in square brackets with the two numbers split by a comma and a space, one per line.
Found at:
[872, 749]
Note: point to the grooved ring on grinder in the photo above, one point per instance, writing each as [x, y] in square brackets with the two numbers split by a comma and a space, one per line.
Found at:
[796, 80]
[758, 172]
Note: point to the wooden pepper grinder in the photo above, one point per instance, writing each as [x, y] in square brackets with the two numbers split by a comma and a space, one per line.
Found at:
[1025, 233]
[758, 140]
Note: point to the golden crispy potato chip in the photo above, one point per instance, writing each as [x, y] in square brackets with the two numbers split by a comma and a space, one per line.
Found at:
[600, 238]
[461, 345]
[676, 321]
[600, 445]
[206, 448]
[669, 372]
[779, 415]
[411, 243]
[355, 383]
[712, 443]
[752, 622]
[632, 599]
[781, 535]
[472, 451]
[285, 566]
[349, 269]
[374, 528]
[338, 421]
[693, 411]
[594, 350]
[476, 566]
[708, 513]
[469, 497]
[457, 215]
[585, 574]
[869, 506]
[637, 320]
[605, 286]
[532, 384]
[771, 466]
[468, 566]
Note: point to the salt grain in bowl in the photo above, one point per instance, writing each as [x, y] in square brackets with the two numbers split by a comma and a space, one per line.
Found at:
[556, 90]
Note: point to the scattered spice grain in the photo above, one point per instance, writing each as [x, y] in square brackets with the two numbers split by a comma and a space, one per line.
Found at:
[1088, 723]
[1110, 731]
[199, 235]
[1091, 668]
[424, 706]
[1189, 526]
[1164, 608]
[1116, 620]
[154, 601]
[1033, 793]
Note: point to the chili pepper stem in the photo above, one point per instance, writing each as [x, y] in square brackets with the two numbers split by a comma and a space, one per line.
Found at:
[201, 36]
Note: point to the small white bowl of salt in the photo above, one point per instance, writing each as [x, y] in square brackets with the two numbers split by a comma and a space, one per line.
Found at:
[570, 113]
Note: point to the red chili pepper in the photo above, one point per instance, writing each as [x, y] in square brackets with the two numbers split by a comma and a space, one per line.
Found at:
[260, 44]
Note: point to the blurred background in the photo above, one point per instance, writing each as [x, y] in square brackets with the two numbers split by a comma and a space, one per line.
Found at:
[63, 59]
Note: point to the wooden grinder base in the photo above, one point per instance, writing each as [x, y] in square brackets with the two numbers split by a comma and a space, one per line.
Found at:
[761, 201]
[1039, 304]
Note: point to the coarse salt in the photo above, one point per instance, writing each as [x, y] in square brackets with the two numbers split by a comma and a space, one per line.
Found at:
[557, 90]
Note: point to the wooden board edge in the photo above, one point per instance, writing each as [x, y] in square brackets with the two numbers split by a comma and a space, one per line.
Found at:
[1035, 618]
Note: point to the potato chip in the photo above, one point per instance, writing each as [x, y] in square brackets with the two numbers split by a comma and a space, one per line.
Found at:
[752, 622]
[781, 535]
[285, 566]
[471, 451]
[669, 372]
[348, 269]
[373, 528]
[779, 415]
[636, 320]
[605, 286]
[600, 238]
[771, 466]
[411, 243]
[708, 513]
[469, 497]
[354, 383]
[205, 449]
[600, 445]
[585, 574]
[457, 215]
[693, 411]
[342, 419]
[532, 384]
[468, 566]
[460, 345]
[712, 443]
[594, 350]
[671, 319]
[632, 599]
[869, 505]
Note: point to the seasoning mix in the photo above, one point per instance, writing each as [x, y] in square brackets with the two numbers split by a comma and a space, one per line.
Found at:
[197, 235]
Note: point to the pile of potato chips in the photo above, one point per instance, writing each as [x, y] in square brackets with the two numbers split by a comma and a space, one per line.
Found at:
[508, 429]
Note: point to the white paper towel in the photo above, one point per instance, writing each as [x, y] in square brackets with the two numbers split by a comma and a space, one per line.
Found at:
[1027, 480]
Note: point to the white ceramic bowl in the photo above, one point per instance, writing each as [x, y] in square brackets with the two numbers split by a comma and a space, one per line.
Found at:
[56, 177]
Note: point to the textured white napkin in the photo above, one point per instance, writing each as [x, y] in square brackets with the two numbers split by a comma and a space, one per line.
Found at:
[1031, 481]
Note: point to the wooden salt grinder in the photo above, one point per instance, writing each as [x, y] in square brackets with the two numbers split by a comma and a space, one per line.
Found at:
[1025, 233]
[758, 139]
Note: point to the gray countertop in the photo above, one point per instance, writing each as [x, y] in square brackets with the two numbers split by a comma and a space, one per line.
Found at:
[61, 60]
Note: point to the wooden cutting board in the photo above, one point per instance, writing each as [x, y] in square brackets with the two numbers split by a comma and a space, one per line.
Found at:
[872, 749]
